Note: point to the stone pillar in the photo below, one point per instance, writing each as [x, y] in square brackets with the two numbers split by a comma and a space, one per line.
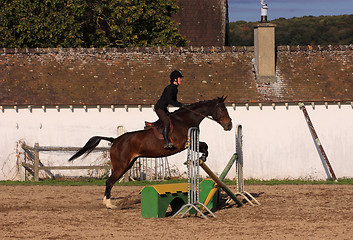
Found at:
[264, 43]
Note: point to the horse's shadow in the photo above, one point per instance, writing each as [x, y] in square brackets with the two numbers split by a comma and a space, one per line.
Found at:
[113, 199]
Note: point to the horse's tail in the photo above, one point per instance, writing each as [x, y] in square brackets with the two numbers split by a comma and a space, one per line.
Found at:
[90, 145]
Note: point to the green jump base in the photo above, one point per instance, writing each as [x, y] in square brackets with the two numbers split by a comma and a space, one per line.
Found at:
[155, 199]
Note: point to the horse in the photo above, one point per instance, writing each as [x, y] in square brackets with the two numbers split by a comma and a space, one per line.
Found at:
[126, 148]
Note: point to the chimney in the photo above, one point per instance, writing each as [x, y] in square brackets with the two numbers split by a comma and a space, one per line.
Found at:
[264, 44]
[263, 12]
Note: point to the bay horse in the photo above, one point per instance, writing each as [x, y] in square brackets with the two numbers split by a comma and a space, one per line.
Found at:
[144, 143]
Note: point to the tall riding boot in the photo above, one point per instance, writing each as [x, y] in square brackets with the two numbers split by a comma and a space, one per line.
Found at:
[167, 143]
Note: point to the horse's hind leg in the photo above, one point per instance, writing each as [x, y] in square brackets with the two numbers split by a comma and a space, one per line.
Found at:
[116, 175]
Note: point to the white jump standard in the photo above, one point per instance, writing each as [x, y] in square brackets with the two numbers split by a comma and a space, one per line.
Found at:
[193, 164]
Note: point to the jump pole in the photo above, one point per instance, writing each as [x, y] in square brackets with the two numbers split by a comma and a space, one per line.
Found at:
[317, 141]
[221, 177]
[220, 183]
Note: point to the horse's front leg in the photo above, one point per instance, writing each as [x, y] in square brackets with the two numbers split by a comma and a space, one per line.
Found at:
[203, 148]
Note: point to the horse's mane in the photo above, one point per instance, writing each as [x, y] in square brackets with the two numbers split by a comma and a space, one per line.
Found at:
[191, 106]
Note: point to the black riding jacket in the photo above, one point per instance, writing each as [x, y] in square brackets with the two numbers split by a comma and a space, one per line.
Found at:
[169, 97]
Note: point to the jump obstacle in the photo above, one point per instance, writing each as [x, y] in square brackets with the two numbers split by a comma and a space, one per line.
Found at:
[183, 197]
[156, 199]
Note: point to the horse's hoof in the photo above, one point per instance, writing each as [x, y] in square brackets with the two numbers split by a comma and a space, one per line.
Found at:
[108, 203]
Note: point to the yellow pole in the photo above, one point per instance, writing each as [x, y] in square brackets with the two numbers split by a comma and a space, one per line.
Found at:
[210, 194]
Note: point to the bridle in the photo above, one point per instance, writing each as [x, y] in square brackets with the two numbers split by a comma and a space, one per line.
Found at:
[203, 114]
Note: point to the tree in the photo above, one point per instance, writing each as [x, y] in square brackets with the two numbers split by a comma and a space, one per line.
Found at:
[88, 23]
[128, 23]
[54, 23]
[323, 30]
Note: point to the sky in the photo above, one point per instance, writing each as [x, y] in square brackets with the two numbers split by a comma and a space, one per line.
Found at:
[250, 10]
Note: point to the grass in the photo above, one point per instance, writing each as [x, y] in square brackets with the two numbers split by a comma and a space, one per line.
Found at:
[87, 182]
[341, 181]
[101, 182]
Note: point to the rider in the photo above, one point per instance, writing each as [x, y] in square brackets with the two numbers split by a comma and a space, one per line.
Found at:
[169, 97]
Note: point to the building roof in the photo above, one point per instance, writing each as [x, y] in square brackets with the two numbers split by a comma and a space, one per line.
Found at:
[138, 76]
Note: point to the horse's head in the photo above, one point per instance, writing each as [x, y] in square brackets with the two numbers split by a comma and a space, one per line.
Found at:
[221, 114]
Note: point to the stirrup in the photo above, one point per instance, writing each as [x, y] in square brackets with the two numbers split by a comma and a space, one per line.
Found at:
[169, 145]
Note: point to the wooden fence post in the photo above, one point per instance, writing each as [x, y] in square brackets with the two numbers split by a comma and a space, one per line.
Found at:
[36, 162]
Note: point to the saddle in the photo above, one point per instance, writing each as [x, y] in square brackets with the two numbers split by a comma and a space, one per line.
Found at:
[157, 127]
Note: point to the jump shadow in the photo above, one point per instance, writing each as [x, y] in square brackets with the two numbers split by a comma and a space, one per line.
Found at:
[223, 202]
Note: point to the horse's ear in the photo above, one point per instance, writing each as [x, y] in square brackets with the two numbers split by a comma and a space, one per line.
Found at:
[222, 99]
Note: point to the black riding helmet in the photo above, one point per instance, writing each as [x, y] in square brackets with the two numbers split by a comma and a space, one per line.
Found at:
[175, 75]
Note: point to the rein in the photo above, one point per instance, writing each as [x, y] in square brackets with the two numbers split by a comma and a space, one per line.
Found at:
[200, 114]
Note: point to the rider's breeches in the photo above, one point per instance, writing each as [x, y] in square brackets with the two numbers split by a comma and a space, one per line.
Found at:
[163, 117]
